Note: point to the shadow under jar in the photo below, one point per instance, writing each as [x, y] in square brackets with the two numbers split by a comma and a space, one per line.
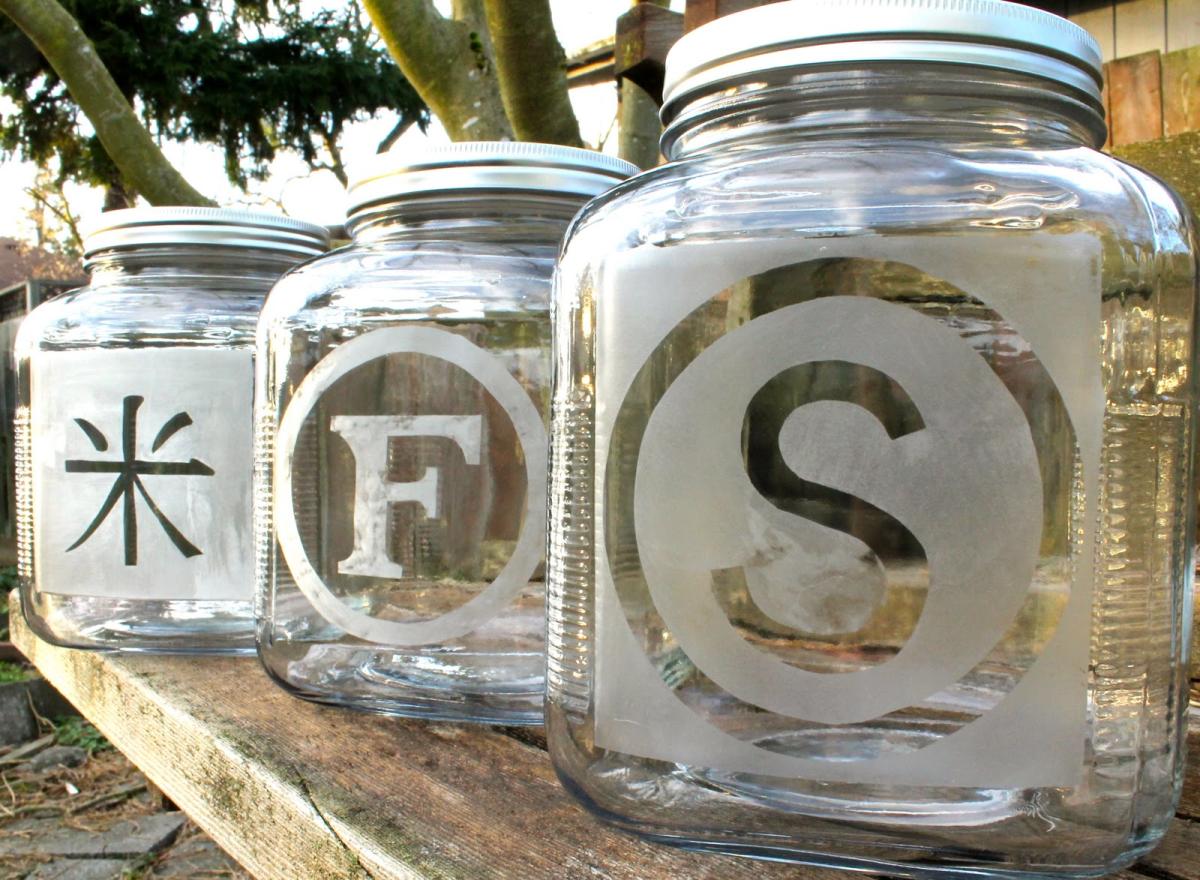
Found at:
[402, 400]
[134, 432]
[871, 488]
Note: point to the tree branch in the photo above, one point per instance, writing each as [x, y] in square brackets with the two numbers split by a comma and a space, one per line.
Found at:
[533, 71]
[403, 125]
[447, 63]
[125, 139]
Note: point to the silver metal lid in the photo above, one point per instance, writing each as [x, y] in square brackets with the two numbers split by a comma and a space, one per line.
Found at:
[801, 33]
[225, 227]
[487, 165]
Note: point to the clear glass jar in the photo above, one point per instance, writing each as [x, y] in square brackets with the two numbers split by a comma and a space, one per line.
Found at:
[871, 486]
[403, 389]
[134, 432]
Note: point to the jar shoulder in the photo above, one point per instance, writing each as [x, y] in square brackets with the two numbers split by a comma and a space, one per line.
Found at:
[413, 278]
[133, 315]
[853, 189]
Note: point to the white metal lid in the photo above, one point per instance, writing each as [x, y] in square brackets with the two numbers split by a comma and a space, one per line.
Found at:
[225, 227]
[487, 165]
[801, 33]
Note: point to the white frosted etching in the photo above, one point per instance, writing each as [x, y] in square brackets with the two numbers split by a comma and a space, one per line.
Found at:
[491, 373]
[967, 485]
[142, 463]
[367, 437]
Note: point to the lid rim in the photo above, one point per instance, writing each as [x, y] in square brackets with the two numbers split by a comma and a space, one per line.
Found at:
[202, 226]
[480, 166]
[995, 27]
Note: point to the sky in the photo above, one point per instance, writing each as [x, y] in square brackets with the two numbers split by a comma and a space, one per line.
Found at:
[318, 196]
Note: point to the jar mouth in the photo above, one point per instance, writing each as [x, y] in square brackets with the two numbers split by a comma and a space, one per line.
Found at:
[462, 208]
[867, 99]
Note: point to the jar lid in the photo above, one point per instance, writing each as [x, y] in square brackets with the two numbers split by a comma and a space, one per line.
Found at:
[487, 165]
[226, 227]
[802, 33]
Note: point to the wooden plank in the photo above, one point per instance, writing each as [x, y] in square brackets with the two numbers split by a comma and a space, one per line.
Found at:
[698, 12]
[1181, 91]
[1183, 24]
[1141, 26]
[296, 791]
[644, 36]
[1178, 855]
[1135, 98]
[1098, 20]
[1189, 801]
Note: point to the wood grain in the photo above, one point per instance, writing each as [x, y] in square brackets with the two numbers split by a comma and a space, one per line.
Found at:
[1135, 98]
[698, 12]
[296, 791]
[1181, 91]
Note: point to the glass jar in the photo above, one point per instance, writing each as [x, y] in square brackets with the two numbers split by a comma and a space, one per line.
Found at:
[403, 390]
[871, 488]
[134, 432]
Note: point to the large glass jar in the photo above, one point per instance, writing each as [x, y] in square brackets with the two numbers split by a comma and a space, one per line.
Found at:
[134, 431]
[403, 390]
[871, 486]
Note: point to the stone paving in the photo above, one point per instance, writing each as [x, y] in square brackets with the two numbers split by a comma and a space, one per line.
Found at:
[69, 812]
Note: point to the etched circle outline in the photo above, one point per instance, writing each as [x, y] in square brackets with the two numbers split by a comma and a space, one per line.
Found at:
[512, 397]
[764, 693]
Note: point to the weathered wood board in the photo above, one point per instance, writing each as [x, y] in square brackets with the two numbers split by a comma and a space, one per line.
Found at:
[296, 791]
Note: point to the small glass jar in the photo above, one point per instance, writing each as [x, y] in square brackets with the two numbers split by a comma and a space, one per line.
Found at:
[871, 494]
[403, 388]
[134, 432]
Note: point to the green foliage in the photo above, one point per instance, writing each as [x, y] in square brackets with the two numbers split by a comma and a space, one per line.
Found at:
[75, 731]
[8, 581]
[252, 76]
[10, 672]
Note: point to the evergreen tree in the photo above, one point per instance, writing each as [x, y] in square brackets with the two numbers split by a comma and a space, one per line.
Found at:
[252, 77]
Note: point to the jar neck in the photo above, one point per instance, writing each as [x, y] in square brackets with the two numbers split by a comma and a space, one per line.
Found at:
[206, 265]
[495, 218]
[952, 104]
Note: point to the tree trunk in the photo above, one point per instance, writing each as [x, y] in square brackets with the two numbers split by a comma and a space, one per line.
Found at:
[638, 126]
[143, 166]
[533, 71]
[447, 62]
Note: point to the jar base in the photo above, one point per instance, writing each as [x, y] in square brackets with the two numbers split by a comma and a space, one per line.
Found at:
[141, 627]
[436, 687]
[911, 861]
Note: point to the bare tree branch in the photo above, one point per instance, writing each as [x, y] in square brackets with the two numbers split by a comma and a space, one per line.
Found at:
[403, 125]
[72, 55]
[533, 71]
[447, 62]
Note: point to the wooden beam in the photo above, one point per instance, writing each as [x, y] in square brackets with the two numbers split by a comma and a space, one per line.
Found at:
[644, 36]
[1181, 91]
[698, 12]
[296, 791]
[1135, 98]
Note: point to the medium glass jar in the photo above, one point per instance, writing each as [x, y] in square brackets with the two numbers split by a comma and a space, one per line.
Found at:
[403, 391]
[871, 487]
[134, 432]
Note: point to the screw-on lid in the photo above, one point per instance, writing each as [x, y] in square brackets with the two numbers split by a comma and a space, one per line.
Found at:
[487, 165]
[802, 33]
[225, 227]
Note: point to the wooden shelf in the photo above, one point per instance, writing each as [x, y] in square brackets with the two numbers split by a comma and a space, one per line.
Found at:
[297, 791]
